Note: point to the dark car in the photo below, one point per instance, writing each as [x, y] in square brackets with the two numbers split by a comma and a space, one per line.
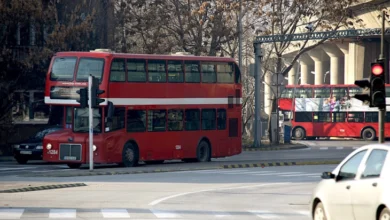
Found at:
[31, 149]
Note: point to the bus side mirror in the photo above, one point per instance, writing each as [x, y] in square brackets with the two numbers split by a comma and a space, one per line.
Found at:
[110, 111]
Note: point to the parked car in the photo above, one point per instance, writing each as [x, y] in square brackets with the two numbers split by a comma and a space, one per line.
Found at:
[31, 149]
[357, 189]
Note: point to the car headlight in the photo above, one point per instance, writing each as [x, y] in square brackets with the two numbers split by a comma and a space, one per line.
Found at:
[16, 146]
[48, 146]
[94, 147]
[39, 147]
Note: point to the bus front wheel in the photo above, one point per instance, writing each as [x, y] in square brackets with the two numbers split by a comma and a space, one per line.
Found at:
[203, 152]
[368, 134]
[130, 155]
[299, 133]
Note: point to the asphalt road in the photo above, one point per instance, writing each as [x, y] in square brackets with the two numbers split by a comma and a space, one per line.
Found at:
[252, 193]
[310, 154]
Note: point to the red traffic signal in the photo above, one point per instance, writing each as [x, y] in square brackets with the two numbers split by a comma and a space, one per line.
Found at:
[377, 69]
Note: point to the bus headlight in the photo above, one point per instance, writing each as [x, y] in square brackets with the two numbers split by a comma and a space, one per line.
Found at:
[48, 146]
[94, 147]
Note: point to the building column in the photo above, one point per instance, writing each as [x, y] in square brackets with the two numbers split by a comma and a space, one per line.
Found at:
[306, 61]
[267, 92]
[319, 57]
[293, 70]
[344, 48]
[335, 63]
[356, 61]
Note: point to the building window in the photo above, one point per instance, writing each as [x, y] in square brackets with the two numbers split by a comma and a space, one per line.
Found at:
[192, 119]
[156, 120]
[136, 120]
[175, 120]
[208, 119]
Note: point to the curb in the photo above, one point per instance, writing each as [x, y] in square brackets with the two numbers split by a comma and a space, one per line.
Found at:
[275, 148]
[278, 164]
[28, 189]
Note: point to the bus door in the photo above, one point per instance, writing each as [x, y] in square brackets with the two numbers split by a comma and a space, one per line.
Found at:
[322, 124]
[340, 125]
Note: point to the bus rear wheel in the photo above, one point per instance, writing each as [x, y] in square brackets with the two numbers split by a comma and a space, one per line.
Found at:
[203, 153]
[299, 133]
[130, 155]
[74, 165]
[368, 134]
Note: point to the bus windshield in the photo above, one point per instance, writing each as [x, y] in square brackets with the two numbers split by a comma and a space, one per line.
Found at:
[64, 68]
[81, 120]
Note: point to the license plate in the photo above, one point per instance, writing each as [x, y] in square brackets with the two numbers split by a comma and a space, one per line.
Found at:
[69, 158]
[25, 152]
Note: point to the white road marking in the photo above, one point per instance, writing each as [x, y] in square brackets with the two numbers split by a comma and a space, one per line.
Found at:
[62, 213]
[304, 212]
[284, 173]
[115, 213]
[221, 214]
[340, 148]
[157, 201]
[11, 213]
[355, 147]
[324, 148]
[16, 168]
[265, 214]
[164, 214]
[254, 172]
[303, 174]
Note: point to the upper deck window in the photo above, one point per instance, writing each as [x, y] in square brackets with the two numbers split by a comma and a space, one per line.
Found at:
[89, 66]
[118, 70]
[287, 93]
[175, 71]
[157, 71]
[136, 70]
[63, 68]
[192, 71]
[321, 92]
[225, 73]
[209, 73]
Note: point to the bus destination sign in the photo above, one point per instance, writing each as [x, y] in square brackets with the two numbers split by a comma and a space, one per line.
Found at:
[60, 92]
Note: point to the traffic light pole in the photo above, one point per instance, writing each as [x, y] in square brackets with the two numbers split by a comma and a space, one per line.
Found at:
[90, 114]
[382, 111]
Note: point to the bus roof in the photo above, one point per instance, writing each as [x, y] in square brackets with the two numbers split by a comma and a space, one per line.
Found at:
[145, 56]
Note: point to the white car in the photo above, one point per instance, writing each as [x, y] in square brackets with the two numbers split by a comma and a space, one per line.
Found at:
[358, 189]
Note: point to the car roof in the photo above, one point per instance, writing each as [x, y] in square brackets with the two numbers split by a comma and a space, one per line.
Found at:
[378, 145]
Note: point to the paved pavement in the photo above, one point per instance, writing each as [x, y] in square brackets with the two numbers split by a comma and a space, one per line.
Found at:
[252, 193]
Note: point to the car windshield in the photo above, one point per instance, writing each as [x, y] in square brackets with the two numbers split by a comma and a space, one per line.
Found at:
[42, 133]
[81, 120]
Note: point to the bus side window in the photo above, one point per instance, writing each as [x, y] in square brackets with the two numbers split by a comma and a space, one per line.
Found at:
[221, 119]
[136, 120]
[157, 120]
[208, 119]
[225, 73]
[136, 70]
[175, 120]
[192, 74]
[175, 71]
[157, 71]
[117, 122]
[209, 73]
[237, 72]
[192, 119]
[118, 70]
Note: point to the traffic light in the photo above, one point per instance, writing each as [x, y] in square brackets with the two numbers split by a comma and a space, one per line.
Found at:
[83, 97]
[95, 92]
[377, 84]
[365, 96]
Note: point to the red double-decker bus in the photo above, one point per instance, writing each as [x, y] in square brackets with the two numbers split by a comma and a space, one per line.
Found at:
[330, 111]
[156, 108]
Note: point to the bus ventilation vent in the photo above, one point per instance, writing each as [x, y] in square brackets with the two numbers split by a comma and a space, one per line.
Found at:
[102, 50]
[182, 53]
[233, 127]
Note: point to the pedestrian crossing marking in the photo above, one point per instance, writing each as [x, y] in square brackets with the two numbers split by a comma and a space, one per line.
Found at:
[115, 213]
[62, 213]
